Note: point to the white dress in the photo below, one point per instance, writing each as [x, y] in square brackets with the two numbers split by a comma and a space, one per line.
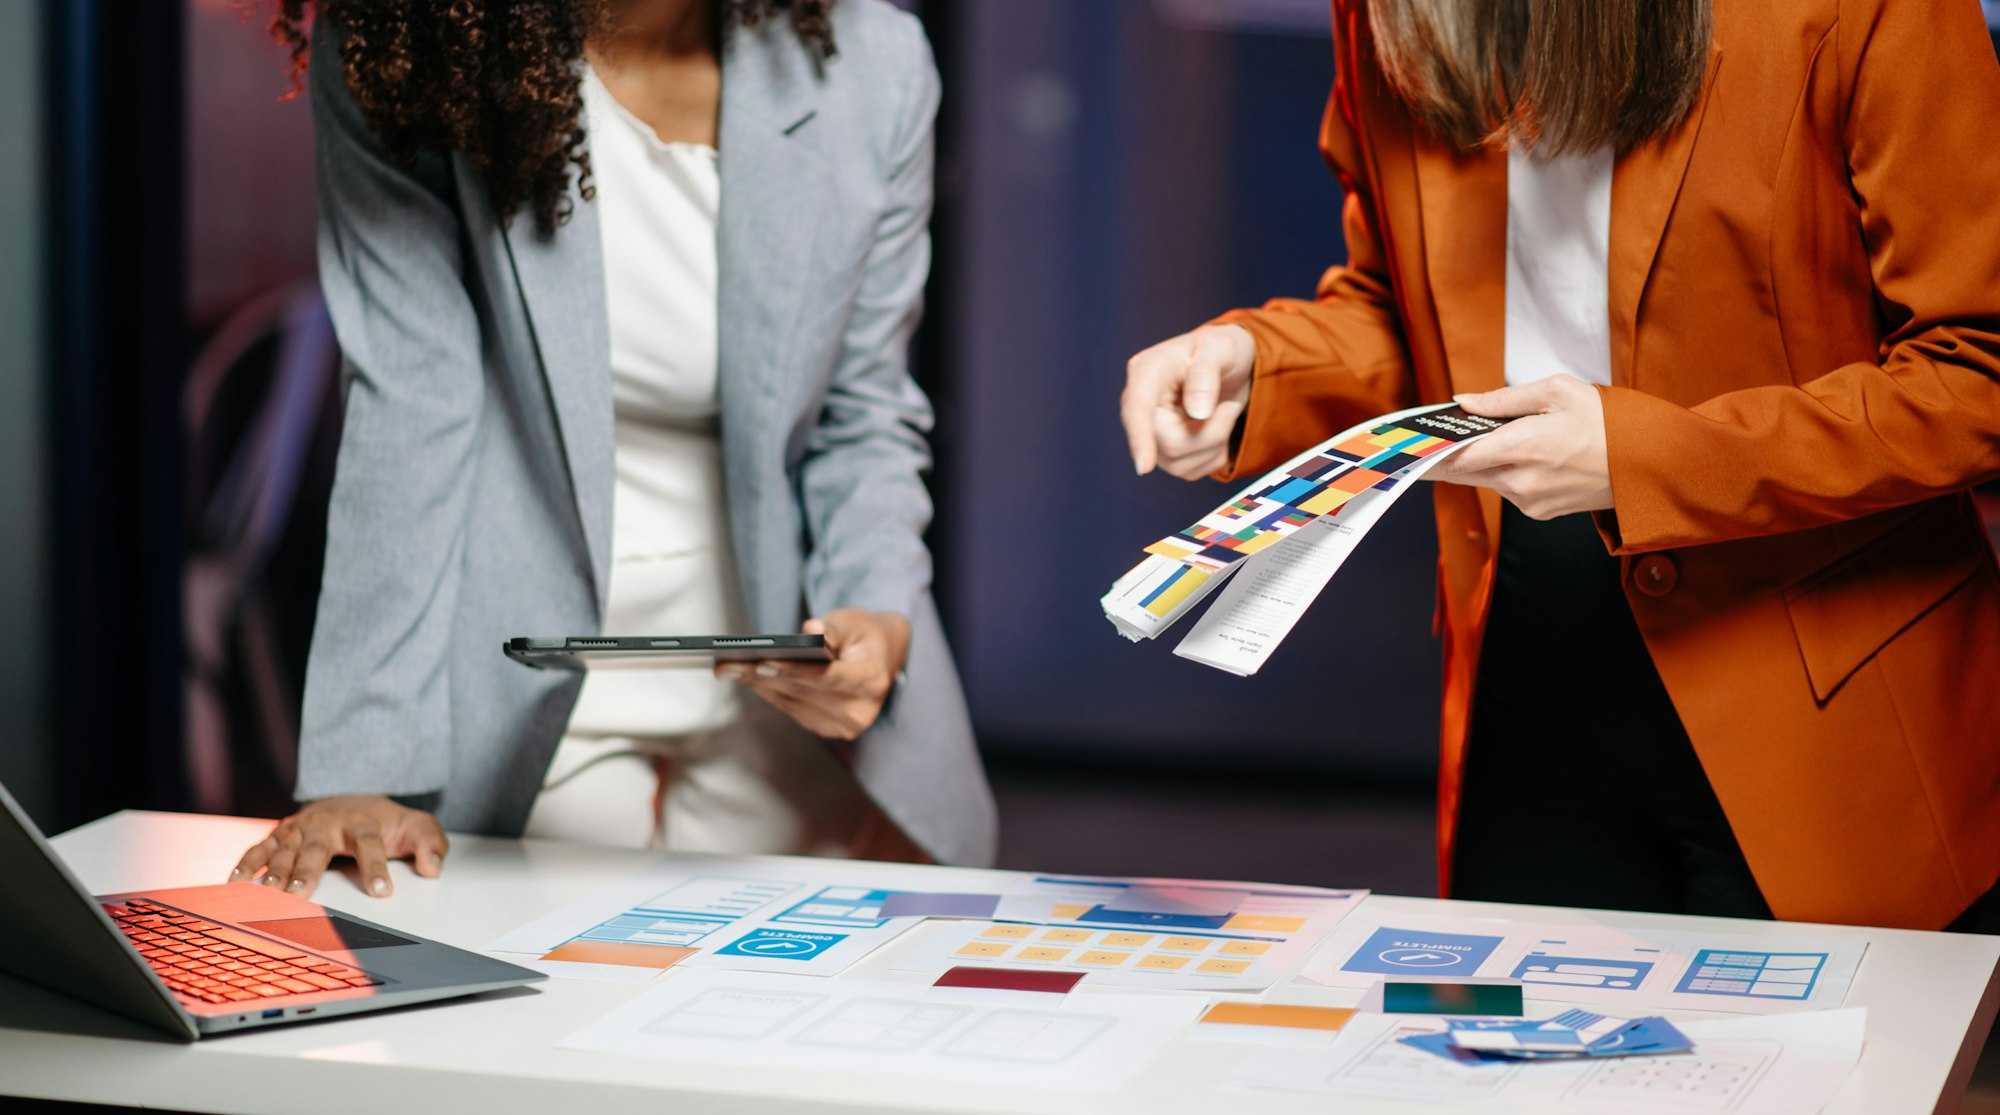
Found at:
[675, 758]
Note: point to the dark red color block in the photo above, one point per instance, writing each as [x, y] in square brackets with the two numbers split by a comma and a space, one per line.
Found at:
[1010, 979]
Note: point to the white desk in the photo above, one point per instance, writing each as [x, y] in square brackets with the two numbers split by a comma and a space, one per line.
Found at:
[1930, 997]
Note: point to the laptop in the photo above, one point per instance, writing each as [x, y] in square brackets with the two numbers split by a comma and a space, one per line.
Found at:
[197, 961]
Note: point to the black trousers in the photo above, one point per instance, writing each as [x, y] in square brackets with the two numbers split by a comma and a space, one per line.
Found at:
[1580, 786]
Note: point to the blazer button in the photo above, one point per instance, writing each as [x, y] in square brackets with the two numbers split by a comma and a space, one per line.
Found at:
[1656, 574]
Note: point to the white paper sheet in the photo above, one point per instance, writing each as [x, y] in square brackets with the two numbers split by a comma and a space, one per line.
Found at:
[1777, 1065]
[810, 921]
[1080, 1041]
[1624, 971]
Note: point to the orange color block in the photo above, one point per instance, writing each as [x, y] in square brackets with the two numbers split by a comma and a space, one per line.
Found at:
[1277, 1014]
[1185, 944]
[984, 950]
[1265, 923]
[621, 953]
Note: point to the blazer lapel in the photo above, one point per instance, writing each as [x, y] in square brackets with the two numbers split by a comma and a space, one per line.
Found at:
[562, 287]
[1644, 185]
[772, 172]
[1463, 202]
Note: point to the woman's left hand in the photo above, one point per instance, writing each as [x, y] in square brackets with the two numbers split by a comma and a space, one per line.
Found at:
[1551, 462]
[838, 699]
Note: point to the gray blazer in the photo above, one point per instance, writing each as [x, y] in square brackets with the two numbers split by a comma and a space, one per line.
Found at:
[472, 497]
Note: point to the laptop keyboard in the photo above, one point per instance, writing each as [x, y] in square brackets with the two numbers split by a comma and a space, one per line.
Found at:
[203, 962]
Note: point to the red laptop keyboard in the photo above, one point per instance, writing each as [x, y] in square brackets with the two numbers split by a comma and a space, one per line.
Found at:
[202, 962]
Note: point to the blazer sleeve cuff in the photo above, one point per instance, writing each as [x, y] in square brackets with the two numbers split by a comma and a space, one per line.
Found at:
[1652, 459]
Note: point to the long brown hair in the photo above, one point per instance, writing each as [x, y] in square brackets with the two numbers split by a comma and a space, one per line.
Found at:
[1559, 76]
[497, 80]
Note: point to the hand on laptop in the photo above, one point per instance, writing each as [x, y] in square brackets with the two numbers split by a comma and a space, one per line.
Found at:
[370, 828]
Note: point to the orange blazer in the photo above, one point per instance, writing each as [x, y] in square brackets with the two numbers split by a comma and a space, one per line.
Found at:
[1805, 333]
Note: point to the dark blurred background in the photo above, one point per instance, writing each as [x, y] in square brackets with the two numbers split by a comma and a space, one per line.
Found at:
[1111, 172]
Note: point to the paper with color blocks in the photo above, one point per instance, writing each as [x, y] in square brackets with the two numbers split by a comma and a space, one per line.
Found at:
[1280, 540]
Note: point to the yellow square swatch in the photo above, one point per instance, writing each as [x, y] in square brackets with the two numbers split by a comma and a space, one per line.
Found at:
[984, 949]
[1246, 948]
[1160, 962]
[1220, 967]
[1068, 911]
[1268, 923]
[1066, 936]
[1185, 944]
[1037, 952]
[1124, 940]
[1008, 932]
[1099, 958]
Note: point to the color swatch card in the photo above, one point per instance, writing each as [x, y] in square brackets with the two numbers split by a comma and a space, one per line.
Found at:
[1624, 970]
[1572, 1034]
[1746, 1066]
[737, 918]
[1162, 934]
[1075, 1042]
[1283, 537]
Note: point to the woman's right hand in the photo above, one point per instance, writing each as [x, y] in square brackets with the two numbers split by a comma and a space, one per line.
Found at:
[1183, 398]
[368, 827]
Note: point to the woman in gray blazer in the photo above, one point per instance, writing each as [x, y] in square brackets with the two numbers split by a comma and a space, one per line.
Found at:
[624, 291]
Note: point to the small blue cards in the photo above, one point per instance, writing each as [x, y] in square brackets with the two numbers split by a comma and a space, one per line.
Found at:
[1572, 1034]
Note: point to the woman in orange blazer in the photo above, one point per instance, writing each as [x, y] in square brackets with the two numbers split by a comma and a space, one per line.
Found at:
[1740, 624]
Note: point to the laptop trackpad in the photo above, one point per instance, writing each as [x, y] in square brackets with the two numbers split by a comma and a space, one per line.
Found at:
[328, 934]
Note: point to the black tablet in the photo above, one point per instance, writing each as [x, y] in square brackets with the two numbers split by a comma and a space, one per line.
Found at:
[657, 652]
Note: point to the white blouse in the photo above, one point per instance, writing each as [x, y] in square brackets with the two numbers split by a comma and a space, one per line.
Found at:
[672, 569]
[1558, 291]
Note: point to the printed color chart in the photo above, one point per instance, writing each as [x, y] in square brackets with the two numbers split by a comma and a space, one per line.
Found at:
[1113, 949]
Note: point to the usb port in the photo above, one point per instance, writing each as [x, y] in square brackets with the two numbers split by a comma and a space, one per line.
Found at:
[275, 1012]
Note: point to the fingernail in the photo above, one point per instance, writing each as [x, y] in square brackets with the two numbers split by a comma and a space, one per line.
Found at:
[269, 880]
[380, 887]
[766, 670]
[732, 673]
[235, 874]
[296, 885]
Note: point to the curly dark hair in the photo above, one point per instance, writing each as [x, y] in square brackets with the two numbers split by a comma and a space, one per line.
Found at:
[496, 80]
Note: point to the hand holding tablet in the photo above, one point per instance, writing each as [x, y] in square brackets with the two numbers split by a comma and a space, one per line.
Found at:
[662, 652]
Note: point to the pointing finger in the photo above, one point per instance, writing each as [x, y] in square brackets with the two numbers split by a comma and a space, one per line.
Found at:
[1135, 410]
[1201, 385]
